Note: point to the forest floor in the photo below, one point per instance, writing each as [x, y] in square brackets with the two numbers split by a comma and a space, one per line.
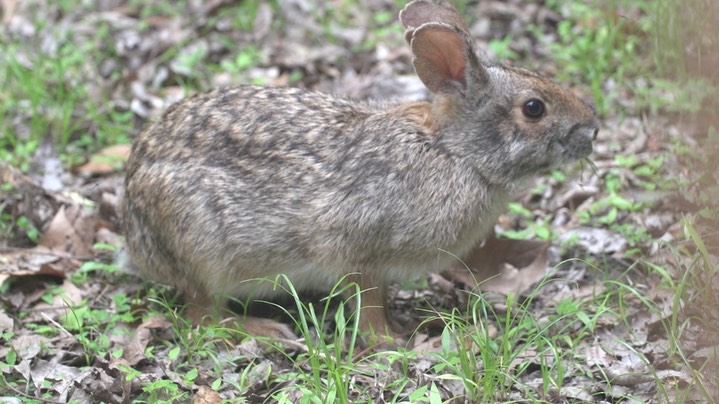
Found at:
[599, 285]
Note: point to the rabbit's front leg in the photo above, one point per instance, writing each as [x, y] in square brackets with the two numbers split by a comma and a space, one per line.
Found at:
[374, 323]
[200, 308]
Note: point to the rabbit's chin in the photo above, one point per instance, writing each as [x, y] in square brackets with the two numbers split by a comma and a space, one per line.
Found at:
[565, 154]
[525, 174]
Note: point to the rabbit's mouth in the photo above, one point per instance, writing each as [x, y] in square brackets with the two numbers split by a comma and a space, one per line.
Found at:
[578, 144]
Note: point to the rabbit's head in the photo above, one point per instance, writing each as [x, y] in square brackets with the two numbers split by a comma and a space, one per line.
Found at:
[508, 122]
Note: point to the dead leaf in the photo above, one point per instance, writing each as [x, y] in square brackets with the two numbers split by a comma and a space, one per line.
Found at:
[57, 375]
[107, 161]
[595, 355]
[424, 343]
[503, 265]
[32, 263]
[101, 386]
[577, 394]
[106, 236]
[596, 241]
[518, 280]
[135, 350]
[29, 346]
[156, 322]
[72, 231]
[6, 322]
[206, 395]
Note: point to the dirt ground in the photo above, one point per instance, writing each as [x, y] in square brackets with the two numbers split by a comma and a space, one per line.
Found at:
[619, 244]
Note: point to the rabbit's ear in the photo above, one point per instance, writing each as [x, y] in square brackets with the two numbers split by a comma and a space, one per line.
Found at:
[420, 12]
[445, 61]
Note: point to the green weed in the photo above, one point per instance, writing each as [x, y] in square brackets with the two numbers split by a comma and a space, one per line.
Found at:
[45, 99]
[534, 227]
[682, 34]
[330, 357]
[640, 50]
[592, 50]
[501, 48]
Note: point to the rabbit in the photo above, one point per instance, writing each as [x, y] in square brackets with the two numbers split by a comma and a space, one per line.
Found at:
[243, 183]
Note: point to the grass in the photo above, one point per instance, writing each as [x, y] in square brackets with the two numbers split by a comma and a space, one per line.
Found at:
[44, 99]
[675, 26]
[487, 363]
[641, 51]
[327, 370]
[486, 348]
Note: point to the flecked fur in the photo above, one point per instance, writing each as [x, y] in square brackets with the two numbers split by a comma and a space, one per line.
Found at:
[250, 182]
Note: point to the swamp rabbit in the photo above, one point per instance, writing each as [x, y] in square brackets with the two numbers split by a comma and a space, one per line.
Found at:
[251, 182]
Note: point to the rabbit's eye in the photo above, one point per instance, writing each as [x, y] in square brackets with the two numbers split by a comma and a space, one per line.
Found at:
[533, 108]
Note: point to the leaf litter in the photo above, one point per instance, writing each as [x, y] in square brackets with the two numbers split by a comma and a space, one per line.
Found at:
[144, 75]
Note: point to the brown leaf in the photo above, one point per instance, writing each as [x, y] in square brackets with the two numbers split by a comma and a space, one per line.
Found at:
[58, 310]
[57, 375]
[6, 322]
[424, 343]
[206, 395]
[502, 265]
[70, 295]
[32, 263]
[107, 236]
[517, 280]
[135, 350]
[107, 161]
[102, 386]
[574, 196]
[156, 322]
[29, 346]
[71, 230]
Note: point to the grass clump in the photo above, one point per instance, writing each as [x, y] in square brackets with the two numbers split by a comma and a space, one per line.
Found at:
[638, 56]
[46, 99]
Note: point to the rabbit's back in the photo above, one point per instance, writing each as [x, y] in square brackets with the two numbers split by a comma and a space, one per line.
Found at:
[251, 182]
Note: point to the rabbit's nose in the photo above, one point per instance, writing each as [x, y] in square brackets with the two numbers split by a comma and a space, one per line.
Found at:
[596, 132]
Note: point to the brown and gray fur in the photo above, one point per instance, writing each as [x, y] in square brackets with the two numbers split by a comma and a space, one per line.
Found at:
[249, 182]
